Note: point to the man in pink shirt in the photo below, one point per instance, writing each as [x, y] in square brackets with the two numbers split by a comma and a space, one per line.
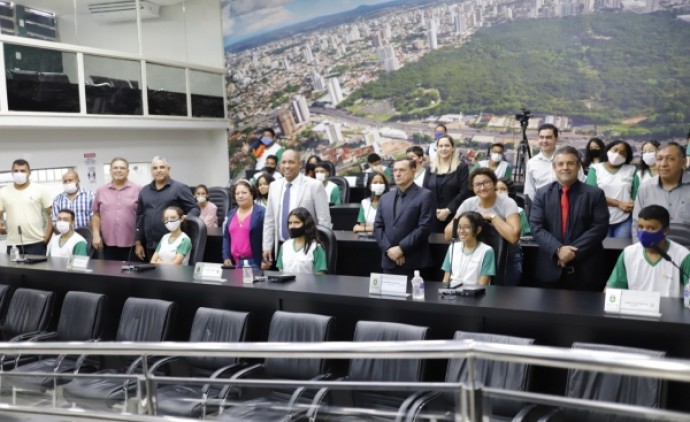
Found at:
[114, 220]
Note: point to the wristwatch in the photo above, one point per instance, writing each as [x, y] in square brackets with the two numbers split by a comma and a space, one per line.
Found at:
[491, 217]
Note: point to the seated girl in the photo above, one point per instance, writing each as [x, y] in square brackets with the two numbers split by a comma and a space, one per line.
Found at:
[302, 253]
[469, 261]
[174, 247]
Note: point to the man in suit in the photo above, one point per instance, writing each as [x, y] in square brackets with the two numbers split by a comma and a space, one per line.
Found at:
[403, 223]
[292, 191]
[569, 221]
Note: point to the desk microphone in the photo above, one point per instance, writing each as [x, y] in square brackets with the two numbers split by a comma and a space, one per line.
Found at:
[666, 257]
[22, 258]
[450, 292]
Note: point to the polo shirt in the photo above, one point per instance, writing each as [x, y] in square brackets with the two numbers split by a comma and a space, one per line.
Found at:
[117, 209]
[26, 208]
[676, 200]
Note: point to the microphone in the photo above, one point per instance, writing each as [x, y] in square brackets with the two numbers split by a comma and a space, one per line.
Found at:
[127, 265]
[22, 258]
[666, 257]
[450, 292]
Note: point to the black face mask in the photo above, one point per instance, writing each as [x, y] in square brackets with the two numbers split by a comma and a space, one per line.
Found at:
[297, 232]
[270, 170]
[593, 153]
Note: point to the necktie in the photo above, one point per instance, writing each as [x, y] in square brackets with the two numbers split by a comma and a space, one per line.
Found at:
[286, 210]
[565, 203]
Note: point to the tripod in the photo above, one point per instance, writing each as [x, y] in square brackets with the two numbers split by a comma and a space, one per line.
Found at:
[524, 153]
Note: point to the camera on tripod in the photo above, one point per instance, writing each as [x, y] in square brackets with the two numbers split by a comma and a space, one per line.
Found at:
[523, 117]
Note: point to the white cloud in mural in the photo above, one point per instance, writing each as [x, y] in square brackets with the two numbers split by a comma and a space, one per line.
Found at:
[242, 7]
[255, 21]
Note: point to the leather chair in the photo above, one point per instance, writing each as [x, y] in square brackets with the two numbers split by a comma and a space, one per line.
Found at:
[488, 373]
[87, 234]
[330, 244]
[605, 387]
[344, 188]
[81, 319]
[680, 233]
[377, 370]
[491, 237]
[221, 199]
[5, 295]
[196, 230]
[190, 400]
[286, 403]
[142, 320]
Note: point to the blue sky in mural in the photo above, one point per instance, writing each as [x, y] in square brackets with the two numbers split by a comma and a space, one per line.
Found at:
[244, 19]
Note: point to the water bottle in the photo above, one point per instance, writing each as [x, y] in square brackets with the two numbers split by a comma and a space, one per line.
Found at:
[686, 295]
[417, 286]
[247, 272]
[14, 253]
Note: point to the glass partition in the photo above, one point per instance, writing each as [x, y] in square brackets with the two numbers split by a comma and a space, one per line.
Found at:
[113, 86]
[207, 94]
[166, 90]
[163, 38]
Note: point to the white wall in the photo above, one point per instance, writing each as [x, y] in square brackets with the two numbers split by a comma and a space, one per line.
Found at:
[196, 156]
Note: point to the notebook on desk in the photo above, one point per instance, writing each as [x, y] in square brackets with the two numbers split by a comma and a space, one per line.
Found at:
[281, 278]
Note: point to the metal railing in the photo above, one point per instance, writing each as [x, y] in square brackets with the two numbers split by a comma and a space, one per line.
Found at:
[472, 397]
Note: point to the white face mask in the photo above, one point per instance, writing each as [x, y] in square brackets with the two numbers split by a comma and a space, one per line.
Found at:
[502, 194]
[62, 226]
[320, 176]
[377, 188]
[496, 157]
[649, 158]
[615, 159]
[201, 199]
[19, 178]
[70, 187]
[173, 225]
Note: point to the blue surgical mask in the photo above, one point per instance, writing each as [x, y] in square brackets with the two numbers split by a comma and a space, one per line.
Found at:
[437, 135]
[266, 140]
[649, 239]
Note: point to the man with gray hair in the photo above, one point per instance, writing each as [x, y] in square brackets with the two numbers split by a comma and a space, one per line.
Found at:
[154, 198]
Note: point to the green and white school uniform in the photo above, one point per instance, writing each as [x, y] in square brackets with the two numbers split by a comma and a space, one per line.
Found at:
[367, 212]
[74, 245]
[167, 251]
[467, 267]
[333, 193]
[503, 169]
[621, 184]
[635, 271]
[295, 261]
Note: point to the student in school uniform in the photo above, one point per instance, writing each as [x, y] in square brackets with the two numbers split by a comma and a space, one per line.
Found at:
[377, 186]
[302, 253]
[322, 170]
[174, 247]
[66, 242]
[468, 260]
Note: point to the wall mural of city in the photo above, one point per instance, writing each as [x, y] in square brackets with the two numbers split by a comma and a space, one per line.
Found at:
[344, 78]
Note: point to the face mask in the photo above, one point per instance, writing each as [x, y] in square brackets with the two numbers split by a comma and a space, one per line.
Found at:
[70, 187]
[438, 135]
[649, 239]
[62, 226]
[649, 158]
[297, 231]
[173, 225]
[266, 140]
[201, 199]
[593, 153]
[615, 159]
[320, 177]
[502, 194]
[377, 188]
[19, 178]
[496, 157]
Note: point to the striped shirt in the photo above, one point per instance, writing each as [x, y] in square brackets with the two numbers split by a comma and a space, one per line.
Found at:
[81, 206]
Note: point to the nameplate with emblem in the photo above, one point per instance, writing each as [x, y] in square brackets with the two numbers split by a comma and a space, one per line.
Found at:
[633, 302]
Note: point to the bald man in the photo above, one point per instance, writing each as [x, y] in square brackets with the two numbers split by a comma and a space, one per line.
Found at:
[74, 198]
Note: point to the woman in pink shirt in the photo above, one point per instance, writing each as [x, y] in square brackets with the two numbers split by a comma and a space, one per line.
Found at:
[243, 236]
[208, 209]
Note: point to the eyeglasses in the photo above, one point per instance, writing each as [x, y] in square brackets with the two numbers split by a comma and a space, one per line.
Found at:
[482, 184]
[464, 228]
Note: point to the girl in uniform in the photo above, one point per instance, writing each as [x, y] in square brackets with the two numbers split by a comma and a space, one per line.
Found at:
[468, 260]
[174, 247]
[302, 253]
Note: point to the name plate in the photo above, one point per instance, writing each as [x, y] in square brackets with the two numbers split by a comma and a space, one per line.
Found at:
[78, 263]
[632, 302]
[387, 284]
[208, 271]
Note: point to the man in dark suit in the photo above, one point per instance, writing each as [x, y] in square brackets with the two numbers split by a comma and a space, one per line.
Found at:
[569, 221]
[403, 223]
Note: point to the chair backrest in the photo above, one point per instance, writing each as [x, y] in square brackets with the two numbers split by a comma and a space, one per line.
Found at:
[293, 327]
[87, 234]
[5, 295]
[81, 316]
[387, 369]
[622, 389]
[330, 244]
[344, 188]
[492, 238]
[217, 326]
[196, 230]
[680, 233]
[221, 199]
[145, 320]
[489, 373]
[520, 200]
[29, 310]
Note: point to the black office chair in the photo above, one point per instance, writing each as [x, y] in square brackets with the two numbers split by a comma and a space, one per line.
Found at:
[520, 200]
[376, 370]
[81, 319]
[344, 187]
[142, 320]
[5, 295]
[491, 237]
[221, 199]
[195, 228]
[680, 233]
[606, 387]
[488, 373]
[190, 400]
[87, 234]
[330, 244]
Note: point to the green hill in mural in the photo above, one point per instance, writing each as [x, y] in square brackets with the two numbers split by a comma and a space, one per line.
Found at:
[603, 68]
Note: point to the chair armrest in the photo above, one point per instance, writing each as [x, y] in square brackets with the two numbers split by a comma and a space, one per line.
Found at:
[555, 415]
[82, 358]
[412, 405]
[162, 362]
[28, 336]
[297, 394]
[240, 374]
[235, 367]
[318, 398]
[536, 413]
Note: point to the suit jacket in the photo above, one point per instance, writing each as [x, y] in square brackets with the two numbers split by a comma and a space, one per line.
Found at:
[310, 195]
[588, 220]
[410, 230]
[450, 194]
[256, 231]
